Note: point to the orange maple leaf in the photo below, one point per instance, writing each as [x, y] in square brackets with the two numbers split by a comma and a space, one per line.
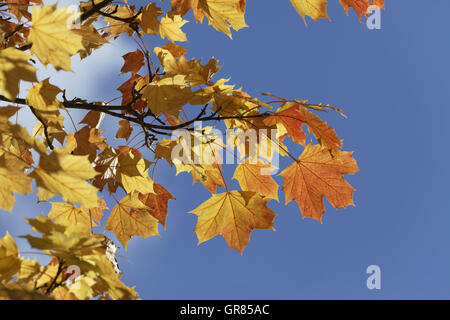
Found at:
[293, 115]
[157, 203]
[289, 118]
[317, 174]
[133, 62]
[361, 6]
[125, 130]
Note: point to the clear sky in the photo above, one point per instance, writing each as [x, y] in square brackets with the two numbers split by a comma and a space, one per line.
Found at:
[393, 84]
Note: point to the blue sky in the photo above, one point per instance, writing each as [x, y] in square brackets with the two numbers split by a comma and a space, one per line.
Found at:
[393, 84]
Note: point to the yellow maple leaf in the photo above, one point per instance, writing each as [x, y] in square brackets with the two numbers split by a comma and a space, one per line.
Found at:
[83, 287]
[14, 66]
[196, 73]
[92, 40]
[66, 214]
[9, 258]
[130, 218]
[54, 42]
[317, 174]
[133, 174]
[224, 14]
[208, 174]
[316, 9]
[28, 269]
[96, 213]
[164, 149]
[66, 174]
[170, 27]
[255, 177]
[12, 180]
[42, 97]
[7, 199]
[233, 215]
[167, 95]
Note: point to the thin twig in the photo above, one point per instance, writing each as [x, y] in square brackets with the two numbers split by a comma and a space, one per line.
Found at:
[47, 137]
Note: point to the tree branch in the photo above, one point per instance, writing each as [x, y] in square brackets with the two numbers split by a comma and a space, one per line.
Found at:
[47, 137]
[95, 9]
[140, 118]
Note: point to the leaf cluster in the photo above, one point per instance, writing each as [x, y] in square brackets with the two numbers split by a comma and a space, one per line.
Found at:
[166, 91]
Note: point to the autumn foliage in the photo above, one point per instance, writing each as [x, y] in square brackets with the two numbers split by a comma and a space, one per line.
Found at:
[166, 91]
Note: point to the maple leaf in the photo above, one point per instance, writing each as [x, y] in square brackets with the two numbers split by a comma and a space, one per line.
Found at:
[42, 97]
[107, 164]
[292, 115]
[361, 6]
[14, 66]
[164, 149]
[132, 172]
[116, 27]
[181, 7]
[96, 213]
[149, 19]
[12, 180]
[176, 50]
[19, 137]
[84, 283]
[87, 141]
[196, 73]
[92, 118]
[133, 62]
[223, 15]
[233, 215]
[28, 269]
[92, 40]
[317, 174]
[66, 214]
[157, 202]
[130, 218]
[170, 27]
[7, 112]
[208, 174]
[19, 7]
[124, 166]
[167, 95]
[12, 34]
[53, 40]
[288, 122]
[66, 175]
[9, 258]
[125, 130]
[316, 9]
[127, 88]
[255, 177]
